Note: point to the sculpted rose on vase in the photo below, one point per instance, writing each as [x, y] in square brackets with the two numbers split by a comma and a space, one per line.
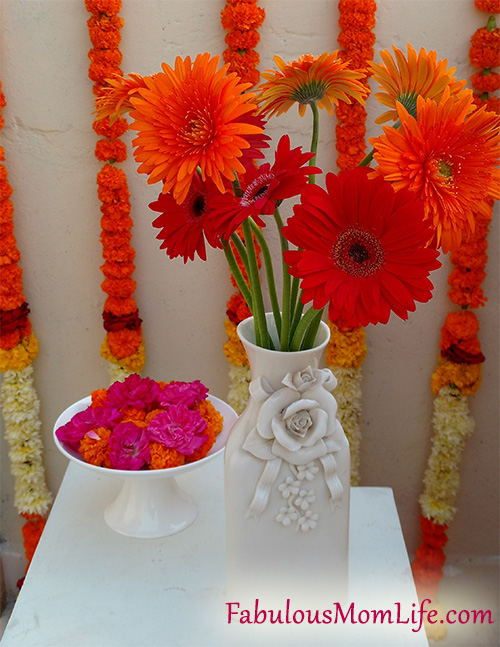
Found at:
[295, 422]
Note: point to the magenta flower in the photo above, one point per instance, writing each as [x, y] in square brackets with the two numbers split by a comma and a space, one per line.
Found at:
[84, 421]
[135, 391]
[180, 428]
[129, 447]
[188, 393]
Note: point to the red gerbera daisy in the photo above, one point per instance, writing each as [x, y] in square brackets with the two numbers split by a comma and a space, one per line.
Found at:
[184, 227]
[362, 248]
[262, 187]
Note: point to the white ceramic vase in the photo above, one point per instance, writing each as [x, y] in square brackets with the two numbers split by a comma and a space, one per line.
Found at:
[287, 481]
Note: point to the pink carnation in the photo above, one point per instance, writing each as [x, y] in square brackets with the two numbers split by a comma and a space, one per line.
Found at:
[188, 393]
[180, 428]
[84, 421]
[129, 447]
[135, 391]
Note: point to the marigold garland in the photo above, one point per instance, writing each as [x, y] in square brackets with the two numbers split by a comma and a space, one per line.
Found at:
[346, 350]
[123, 346]
[18, 397]
[242, 19]
[458, 370]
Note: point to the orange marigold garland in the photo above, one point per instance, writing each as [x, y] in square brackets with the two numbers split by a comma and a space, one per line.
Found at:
[19, 400]
[241, 18]
[347, 348]
[123, 346]
[458, 370]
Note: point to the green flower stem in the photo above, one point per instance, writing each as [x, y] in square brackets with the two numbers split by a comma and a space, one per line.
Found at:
[315, 138]
[286, 313]
[312, 331]
[301, 333]
[238, 276]
[241, 249]
[296, 317]
[259, 311]
[366, 161]
[268, 264]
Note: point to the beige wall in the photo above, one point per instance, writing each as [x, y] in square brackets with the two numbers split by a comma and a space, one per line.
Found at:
[49, 146]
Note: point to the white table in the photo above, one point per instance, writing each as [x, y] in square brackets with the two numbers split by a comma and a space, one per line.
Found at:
[89, 586]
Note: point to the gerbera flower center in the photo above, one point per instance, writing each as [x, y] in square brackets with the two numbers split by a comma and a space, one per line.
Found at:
[257, 189]
[194, 206]
[197, 129]
[310, 92]
[445, 169]
[358, 252]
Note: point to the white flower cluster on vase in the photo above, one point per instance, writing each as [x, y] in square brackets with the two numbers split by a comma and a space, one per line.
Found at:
[299, 499]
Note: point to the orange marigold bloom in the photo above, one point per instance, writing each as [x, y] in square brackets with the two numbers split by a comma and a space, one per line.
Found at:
[108, 7]
[190, 117]
[123, 343]
[404, 79]
[164, 457]
[491, 6]
[347, 348]
[96, 450]
[98, 397]
[242, 16]
[104, 31]
[466, 377]
[212, 417]
[119, 287]
[112, 151]
[120, 307]
[324, 80]
[485, 82]
[447, 158]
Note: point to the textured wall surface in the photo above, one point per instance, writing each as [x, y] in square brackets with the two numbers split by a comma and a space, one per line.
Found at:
[49, 146]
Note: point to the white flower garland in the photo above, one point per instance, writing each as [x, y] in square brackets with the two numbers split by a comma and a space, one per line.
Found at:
[21, 411]
[348, 396]
[452, 424]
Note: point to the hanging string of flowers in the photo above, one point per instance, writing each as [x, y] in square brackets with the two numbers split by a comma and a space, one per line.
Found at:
[458, 371]
[242, 19]
[19, 400]
[123, 346]
[346, 350]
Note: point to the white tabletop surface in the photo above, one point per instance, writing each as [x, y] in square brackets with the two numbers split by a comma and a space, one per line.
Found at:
[88, 586]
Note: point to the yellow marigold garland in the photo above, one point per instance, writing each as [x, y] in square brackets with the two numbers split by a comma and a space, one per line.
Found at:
[458, 370]
[123, 346]
[18, 397]
[346, 350]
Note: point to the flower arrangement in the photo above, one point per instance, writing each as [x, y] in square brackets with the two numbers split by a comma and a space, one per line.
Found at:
[141, 424]
[365, 242]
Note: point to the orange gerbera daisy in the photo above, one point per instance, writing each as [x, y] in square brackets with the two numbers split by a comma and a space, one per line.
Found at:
[405, 79]
[324, 80]
[115, 97]
[193, 116]
[447, 158]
